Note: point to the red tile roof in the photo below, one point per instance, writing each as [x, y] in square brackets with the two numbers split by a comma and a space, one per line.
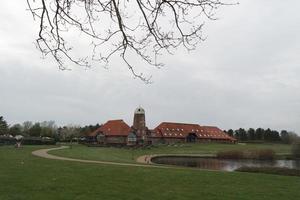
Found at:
[113, 128]
[181, 130]
[175, 130]
[216, 133]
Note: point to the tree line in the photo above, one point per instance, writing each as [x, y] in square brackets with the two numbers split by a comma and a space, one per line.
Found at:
[50, 129]
[45, 129]
[265, 135]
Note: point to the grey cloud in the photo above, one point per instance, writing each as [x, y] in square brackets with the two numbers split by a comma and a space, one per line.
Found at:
[246, 74]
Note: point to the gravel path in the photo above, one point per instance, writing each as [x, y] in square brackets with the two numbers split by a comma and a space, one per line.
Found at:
[44, 154]
[145, 161]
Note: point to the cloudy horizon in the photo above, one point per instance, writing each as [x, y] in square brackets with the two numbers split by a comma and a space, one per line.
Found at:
[245, 74]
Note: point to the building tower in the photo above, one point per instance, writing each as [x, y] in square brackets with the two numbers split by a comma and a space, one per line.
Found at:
[139, 124]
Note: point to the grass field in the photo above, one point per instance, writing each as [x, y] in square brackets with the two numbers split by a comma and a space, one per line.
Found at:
[25, 177]
[129, 156]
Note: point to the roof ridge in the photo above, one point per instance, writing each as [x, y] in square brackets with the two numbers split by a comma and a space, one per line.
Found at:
[115, 120]
[180, 123]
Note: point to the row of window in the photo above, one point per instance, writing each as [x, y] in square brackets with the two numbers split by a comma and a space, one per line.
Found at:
[193, 130]
[199, 134]
[181, 129]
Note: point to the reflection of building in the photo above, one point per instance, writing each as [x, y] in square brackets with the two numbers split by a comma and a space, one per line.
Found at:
[119, 133]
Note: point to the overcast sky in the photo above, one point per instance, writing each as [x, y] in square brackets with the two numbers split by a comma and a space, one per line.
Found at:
[246, 74]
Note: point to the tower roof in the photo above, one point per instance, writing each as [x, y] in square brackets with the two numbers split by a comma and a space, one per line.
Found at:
[139, 110]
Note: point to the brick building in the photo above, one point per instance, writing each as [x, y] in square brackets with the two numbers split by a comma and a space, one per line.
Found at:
[117, 132]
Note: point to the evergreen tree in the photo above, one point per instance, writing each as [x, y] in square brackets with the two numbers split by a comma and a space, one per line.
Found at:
[240, 134]
[275, 135]
[3, 126]
[251, 134]
[268, 135]
[230, 132]
[237, 135]
[259, 134]
[243, 134]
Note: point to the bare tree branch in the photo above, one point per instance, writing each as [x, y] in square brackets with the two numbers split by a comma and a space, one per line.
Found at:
[146, 28]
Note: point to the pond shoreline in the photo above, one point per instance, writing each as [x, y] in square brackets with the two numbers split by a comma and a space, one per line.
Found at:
[212, 162]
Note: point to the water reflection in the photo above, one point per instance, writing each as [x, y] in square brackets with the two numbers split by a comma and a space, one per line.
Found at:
[223, 164]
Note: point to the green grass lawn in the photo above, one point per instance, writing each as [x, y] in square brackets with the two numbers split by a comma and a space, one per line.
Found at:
[25, 177]
[129, 156]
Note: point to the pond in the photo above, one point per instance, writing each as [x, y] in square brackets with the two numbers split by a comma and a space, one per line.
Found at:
[222, 164]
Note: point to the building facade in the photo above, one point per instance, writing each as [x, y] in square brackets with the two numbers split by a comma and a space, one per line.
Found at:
[117, 132]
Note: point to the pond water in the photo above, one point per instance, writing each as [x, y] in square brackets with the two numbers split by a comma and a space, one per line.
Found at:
[223, 164]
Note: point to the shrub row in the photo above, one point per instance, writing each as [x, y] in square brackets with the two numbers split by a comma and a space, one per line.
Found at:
[27, 141]
[262, 154]
[296, 150]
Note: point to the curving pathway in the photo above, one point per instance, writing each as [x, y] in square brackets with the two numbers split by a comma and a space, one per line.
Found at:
[44, 154]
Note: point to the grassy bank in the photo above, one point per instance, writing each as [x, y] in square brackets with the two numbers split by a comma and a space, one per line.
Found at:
[271, 170]
[129, 155]
[24, 177]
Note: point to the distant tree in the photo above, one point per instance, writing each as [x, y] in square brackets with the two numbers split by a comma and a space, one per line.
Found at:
[259, 134]
[284, 135]
[230, 132]
[251, 134]
[84, 130]
[268, 135]
[243, 134]
[293, 137]
[87, 129]
[35, 130]
[69, 132]
[3, 126]
[240, 134]
[26, 127]
[16, 129]
[48, 128]
[275, 136]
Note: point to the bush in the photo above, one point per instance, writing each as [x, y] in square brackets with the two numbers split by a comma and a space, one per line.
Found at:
[232, 154]
[296, 150]
[263, 154]
[37, 141]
